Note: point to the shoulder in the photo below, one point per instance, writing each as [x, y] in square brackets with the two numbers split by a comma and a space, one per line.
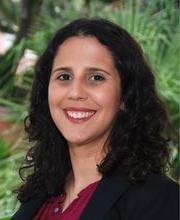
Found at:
[157, 199]
[156, 184]
[28, 209]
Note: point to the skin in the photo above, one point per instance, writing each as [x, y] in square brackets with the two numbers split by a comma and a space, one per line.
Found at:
[84, 75]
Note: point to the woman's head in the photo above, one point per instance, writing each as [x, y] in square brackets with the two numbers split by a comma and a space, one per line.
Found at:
[125, 57]
[136, 134]
[84, 91]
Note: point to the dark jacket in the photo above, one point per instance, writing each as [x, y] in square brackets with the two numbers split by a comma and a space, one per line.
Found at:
[117, 199]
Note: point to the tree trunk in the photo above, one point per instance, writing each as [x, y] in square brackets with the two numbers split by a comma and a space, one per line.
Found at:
[30, 12]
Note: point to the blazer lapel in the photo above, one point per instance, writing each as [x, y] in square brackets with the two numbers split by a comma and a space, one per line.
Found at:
[106, 194]
[28, 210]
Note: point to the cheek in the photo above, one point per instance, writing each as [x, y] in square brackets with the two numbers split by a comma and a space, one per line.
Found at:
[54, 101]
[55, 94]
[109, 97]
[51, 95]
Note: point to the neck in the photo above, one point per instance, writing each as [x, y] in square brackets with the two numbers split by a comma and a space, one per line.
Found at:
[84, 160]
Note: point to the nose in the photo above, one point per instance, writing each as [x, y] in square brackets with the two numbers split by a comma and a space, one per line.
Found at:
[77, 91]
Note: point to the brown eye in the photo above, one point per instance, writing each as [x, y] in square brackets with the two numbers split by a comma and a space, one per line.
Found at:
[97, 77]
[64, 77]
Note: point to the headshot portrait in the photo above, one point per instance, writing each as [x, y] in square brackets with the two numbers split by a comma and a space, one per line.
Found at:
[96, 126]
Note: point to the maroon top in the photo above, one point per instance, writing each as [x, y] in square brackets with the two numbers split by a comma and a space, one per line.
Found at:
[52, 209]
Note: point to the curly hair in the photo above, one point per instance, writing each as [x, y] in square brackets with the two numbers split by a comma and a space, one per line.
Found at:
[138, 141]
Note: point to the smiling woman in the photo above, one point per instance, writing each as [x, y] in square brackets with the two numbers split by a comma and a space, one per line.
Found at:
[97, 128]
[85, 101]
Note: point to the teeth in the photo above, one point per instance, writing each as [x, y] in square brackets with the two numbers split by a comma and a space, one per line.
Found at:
[80, 114]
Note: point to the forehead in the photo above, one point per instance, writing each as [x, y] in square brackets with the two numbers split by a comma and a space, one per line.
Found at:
[83, 49]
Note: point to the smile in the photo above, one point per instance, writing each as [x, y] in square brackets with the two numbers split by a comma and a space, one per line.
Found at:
[78, 116]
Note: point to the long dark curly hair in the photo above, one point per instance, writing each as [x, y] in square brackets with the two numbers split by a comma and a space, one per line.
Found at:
[138, 141]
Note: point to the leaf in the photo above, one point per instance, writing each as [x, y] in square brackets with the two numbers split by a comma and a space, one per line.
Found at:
[5, 218]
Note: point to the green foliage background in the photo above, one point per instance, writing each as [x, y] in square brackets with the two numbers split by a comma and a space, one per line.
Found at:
[155, 25]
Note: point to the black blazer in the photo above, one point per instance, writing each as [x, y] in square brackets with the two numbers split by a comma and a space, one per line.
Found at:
[117, 199]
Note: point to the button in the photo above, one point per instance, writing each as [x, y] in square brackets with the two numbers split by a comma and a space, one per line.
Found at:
[56, 210]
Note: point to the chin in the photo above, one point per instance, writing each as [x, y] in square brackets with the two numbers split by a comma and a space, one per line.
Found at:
[77, 142]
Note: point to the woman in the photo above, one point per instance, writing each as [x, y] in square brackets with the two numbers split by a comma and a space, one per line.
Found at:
[97, 127]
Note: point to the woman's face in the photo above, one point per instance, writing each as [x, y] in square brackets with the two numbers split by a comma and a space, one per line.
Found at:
[84, 90]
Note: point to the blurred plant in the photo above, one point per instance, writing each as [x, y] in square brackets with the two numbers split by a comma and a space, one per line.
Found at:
[8, 16]
[25, 18]
[5, 218]
[8, 182]
[4, 149]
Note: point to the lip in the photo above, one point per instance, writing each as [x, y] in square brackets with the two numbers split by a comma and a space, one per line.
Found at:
[78, 109]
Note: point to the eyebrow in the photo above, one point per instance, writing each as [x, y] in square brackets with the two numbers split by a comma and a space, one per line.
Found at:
[62, 68]
[88, 68]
